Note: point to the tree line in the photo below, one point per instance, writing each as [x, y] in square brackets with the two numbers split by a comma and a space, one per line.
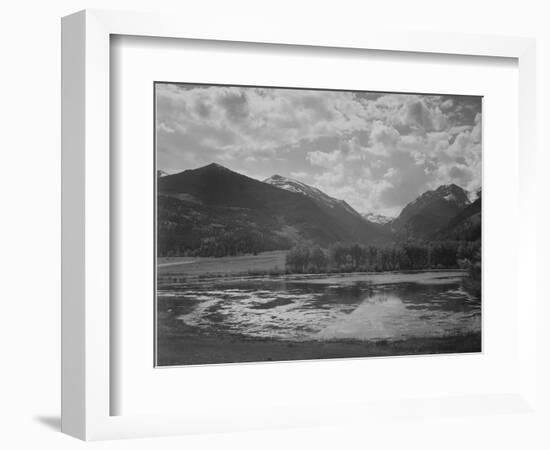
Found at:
[220, 243]
[472, 265]
[343, 257]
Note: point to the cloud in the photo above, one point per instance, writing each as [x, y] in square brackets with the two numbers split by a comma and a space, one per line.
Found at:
[256, 120]
[299, 175]
[323, 159]
[377, 151]
[447, 104]
[384, 135]
[397, 166]
[333, 178]
[416, 115]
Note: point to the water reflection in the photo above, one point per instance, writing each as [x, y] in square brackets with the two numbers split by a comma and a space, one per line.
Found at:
[366, 307]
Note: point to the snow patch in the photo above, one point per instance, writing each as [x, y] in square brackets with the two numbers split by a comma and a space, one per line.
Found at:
[298, 187]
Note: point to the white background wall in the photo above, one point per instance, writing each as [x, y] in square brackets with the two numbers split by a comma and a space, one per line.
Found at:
[29, 236]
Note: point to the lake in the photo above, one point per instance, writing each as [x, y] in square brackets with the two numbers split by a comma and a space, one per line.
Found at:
[359, 307]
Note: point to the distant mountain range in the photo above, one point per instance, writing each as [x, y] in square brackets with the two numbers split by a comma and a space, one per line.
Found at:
[445, 212]
[214, 209]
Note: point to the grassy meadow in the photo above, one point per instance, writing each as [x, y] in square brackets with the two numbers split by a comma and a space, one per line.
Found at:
[228, 265]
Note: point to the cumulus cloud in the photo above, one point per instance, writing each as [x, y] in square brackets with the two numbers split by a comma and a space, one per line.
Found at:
[377, 151]
[383, 135]
[416, 115]
[254, 120]
[322, 159]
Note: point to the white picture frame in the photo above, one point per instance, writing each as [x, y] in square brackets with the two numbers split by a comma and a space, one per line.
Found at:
[86, 218]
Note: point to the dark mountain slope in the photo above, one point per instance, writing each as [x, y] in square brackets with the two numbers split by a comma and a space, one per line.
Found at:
[465, 226]
[430, 212]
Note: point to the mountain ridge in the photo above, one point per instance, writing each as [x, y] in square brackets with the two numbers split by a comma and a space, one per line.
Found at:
[319, 196]
[430, 211]
[213, 207]
[249, 210]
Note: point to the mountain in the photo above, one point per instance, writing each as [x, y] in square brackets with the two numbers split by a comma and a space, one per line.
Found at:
[430, 212]
[213, 206]
[315, 194]
[377, 218]
[339, 210]
[466, 225]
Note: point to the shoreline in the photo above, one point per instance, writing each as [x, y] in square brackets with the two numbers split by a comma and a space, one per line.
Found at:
[167, 279]
[192, 347]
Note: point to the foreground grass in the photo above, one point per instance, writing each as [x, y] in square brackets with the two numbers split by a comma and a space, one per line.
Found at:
[182, 345]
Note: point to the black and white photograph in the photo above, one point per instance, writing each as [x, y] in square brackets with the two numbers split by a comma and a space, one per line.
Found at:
[300, 224]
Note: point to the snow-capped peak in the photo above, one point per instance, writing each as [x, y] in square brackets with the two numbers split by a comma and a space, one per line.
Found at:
[289, 184]
[453, 193]
[298, 187]
[450, 193]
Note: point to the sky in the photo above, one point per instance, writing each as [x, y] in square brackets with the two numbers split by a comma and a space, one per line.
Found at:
[377, 151]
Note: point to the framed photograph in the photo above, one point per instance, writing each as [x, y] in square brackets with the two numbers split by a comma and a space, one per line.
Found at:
[302, 223]
[252, 217]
